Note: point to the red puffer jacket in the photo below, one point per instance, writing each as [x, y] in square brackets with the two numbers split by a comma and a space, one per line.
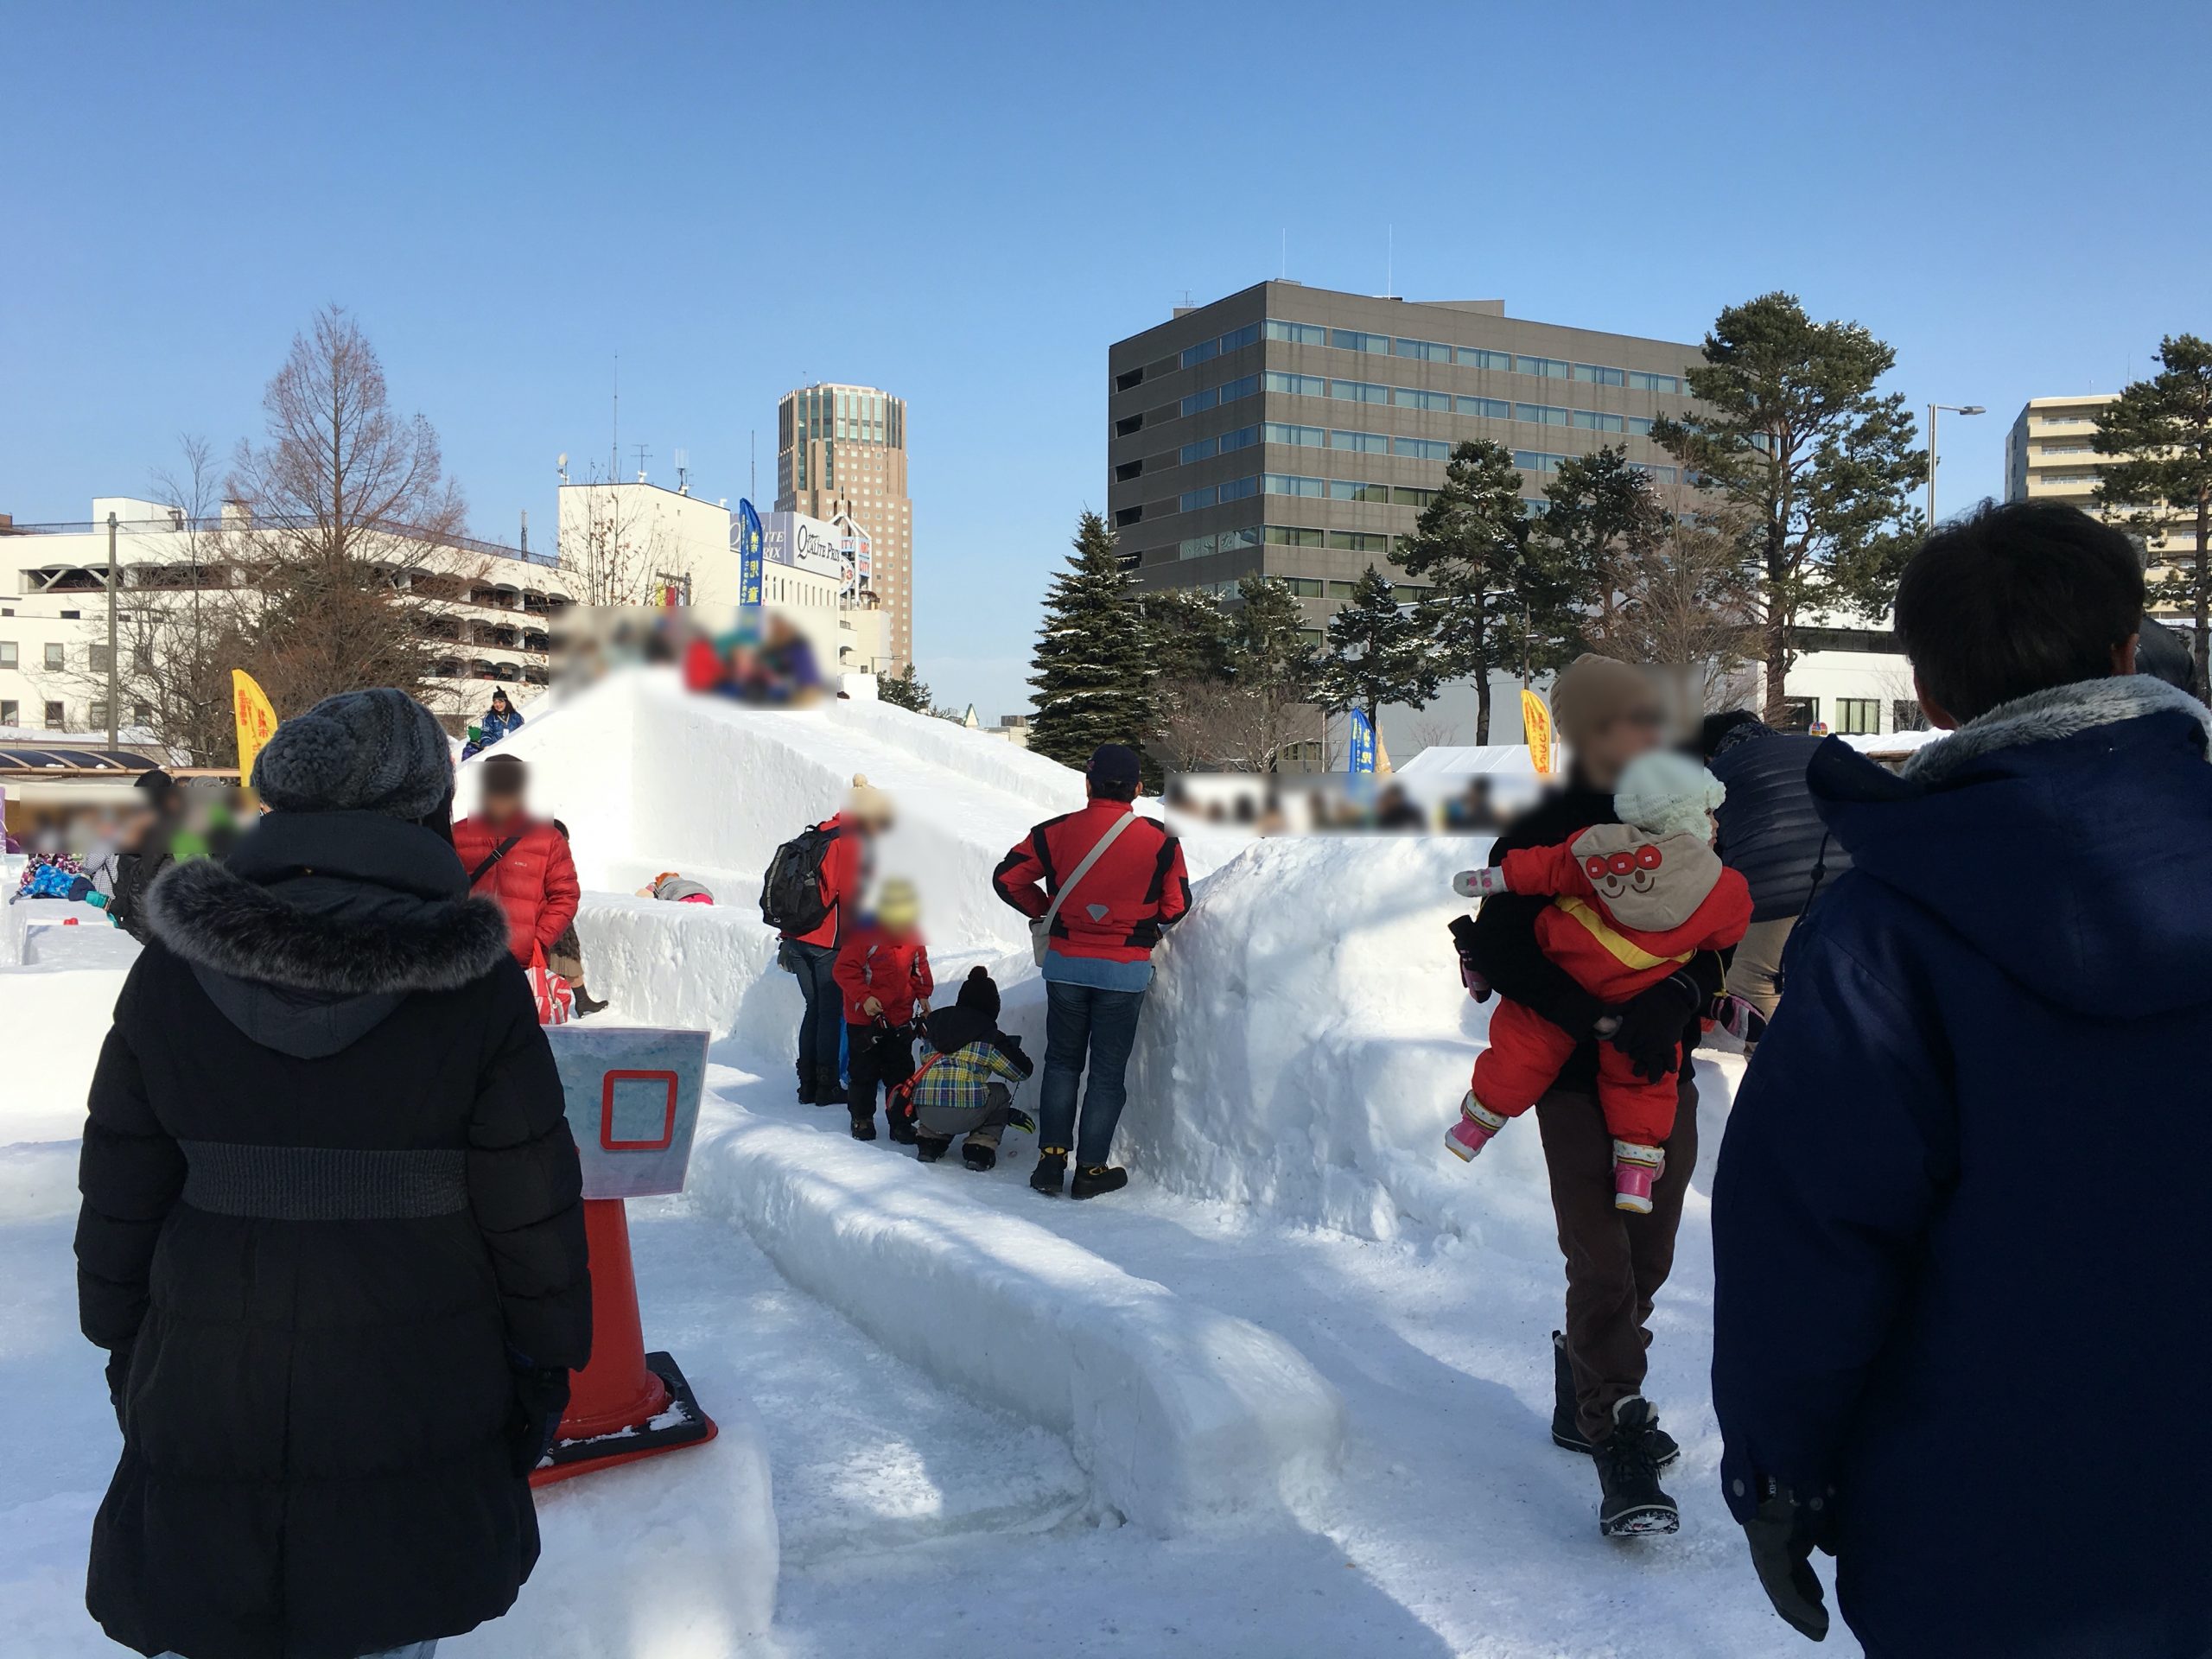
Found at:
[535, 881]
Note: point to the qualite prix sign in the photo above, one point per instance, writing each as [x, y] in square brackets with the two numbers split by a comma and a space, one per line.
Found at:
[804, 544]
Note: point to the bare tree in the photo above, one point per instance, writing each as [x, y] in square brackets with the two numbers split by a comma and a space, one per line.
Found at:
[1685, 602]
[614, 551]
[1431, 733]
[1219, 724]
[352, 529]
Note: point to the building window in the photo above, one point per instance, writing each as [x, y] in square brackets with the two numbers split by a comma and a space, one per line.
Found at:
[1293, 536]
[1425, 351]
[1639, 382]
[1309, 437]
[1658, 475]
[1591, 420]
[1542, 415]
[1243, 438]
[1547, 368]
[1472, 357]
[8, 711]
[7, 653]
[1407, 397]
[1200, 450]
[1351, 339]
[1639, 426]
[1353, 489]
[99, 715]
[1298, 333]
[1237, 488]
[1292, 483]
[1303, 587]
[1536, 461]
[1297, 385]
[1201, 400]
[1127, 515]
[55, 720]
[1799, 714]
[1906, 715]
[1357, 541]
[1422, 448]
[1402, 497]
[1595, 374]
[1489, 409]
[1194, 500]
[99, 659]
[1407, 595]
[53, 654]
[1859, 716]
[1365, 444]
[1359, 391]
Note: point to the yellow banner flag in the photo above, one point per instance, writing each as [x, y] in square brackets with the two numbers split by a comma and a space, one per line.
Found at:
[257, 720]
[1537, 727]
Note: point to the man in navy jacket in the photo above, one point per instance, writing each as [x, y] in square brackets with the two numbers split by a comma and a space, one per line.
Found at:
[1959, 1224]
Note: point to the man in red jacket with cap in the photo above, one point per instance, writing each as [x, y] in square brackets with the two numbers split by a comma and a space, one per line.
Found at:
[1099, 961]
[521, 860]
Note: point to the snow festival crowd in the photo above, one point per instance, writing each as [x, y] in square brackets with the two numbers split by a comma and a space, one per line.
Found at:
[1956, 1212]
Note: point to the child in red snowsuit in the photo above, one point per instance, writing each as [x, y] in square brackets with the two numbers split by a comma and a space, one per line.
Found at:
[883, 972]
[1633, 901]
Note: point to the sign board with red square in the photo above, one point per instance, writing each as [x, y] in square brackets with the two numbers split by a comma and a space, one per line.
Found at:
[632, 1095]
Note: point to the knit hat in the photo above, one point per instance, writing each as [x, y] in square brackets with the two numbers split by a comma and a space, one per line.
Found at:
[1593, 691]
[868, 803]
[1665, 793]
[378, 751]
[979, 994]
[898, 905]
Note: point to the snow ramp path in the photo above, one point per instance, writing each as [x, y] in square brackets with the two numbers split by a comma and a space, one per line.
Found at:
[1185, 1417]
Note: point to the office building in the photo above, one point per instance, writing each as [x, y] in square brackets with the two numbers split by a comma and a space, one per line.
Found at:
[842, 450]
[1297, 432]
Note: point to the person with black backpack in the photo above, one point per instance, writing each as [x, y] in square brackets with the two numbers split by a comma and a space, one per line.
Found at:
[812, 885]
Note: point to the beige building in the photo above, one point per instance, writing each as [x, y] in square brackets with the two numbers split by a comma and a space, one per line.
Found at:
[2050, 454]
[842, 450]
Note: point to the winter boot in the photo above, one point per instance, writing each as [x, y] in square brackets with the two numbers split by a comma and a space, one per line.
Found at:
[976, 1156]
[1635, 1168]
[1097, 1179]
[863, 1124]
[810, 1086]
[929, 1149]
[1630, 1499]
[587, 1003]
[1472, 1132]
[828, 1088]
[902, 1126]
[1052, 1172]
[1567, 1427]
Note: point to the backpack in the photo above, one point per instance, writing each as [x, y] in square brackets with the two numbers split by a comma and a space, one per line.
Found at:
[791, 893]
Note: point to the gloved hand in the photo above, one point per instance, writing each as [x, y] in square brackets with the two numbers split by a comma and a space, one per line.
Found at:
[1471, 969]
[1652, 1022]
[1782, 1535]
[118, 1380]
[541, 1397]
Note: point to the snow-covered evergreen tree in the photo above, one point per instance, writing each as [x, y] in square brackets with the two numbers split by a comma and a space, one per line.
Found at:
[1092, 679]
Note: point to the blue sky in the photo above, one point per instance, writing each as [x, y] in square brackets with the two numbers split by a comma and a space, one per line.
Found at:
[967, 204]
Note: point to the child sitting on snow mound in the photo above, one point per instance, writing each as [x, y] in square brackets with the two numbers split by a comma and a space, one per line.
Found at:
[1633, 901]
[965, 1083]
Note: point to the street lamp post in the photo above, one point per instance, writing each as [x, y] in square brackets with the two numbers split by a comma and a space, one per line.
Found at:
[1932, 410]
[112, 742]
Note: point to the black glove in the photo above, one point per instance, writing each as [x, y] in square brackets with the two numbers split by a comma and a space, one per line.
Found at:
[1652, 1023]
[541, 1397]
[1781, 1536]
[1471, 967]
[118, 1380]
[1010, 1045]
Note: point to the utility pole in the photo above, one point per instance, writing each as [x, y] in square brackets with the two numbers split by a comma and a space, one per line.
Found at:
[112, 574]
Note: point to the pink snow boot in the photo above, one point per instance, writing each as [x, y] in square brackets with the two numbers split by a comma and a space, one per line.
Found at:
[1472, 1132]
[1635, 1168]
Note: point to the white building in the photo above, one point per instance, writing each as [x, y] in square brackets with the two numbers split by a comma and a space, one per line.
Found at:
[629, 544]
[488, 606]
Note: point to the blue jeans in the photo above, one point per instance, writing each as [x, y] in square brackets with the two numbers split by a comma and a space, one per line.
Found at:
[1084, 1021]
[822, 1025]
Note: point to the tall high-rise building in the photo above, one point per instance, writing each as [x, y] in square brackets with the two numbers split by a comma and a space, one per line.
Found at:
[1297, 432]
[2050, 454]
[842, 449]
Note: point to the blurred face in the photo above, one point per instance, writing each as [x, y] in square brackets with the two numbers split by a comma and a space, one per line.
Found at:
[502, 803]
[1619, 740]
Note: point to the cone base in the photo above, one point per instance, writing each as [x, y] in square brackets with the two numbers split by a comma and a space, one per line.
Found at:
[678, 1424]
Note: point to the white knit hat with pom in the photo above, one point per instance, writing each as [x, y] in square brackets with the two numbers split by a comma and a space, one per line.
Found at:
[1663, 793]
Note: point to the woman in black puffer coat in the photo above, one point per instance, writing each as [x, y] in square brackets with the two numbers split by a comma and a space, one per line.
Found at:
[331, 1234]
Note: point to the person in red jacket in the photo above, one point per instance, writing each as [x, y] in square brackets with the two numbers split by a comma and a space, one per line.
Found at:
[811, 957]
[521, 860]
[1631, 903]
[883, 972]
[1098, 959]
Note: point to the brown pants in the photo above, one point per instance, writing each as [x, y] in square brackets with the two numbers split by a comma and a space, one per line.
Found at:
[1616, 1261]
[1755, 974]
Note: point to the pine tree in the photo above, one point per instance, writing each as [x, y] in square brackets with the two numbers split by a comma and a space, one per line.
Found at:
[1497, 598]
[1093, 683]
[1601, 521]
[1375, 654]
[1269, 662]
[1186, 635]
[1818, 468]
[2161, 430]
[905, 691]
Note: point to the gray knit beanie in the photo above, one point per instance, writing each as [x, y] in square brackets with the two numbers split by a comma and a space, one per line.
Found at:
[375, 751]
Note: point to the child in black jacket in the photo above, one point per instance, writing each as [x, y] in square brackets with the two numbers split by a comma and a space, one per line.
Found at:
[965, 1083]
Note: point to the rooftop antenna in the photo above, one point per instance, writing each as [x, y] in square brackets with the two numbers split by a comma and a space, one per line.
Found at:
[561, 465]
[1390, 262]
[614, 444]
[684, 472]
[1286, 252]
[642, 452]
[752, 465]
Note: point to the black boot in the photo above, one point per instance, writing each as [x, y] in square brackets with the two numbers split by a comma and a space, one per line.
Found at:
[1567, 1430]
[808, 1085]
[1097, 1179]
[976, 1156]
[1052, 1172]
[929, 1149]
[1632, 1501]
[902, 1126]
[587, 1003]
[828, 1091]
[863, 1128]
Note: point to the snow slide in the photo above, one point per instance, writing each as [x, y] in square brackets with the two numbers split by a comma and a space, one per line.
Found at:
[1185, 1417]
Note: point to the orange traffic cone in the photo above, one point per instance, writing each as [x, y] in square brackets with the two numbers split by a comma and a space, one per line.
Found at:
[626, 1404]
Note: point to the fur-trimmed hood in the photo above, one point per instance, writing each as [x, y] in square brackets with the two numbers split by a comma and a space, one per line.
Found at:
[2065, 835]
[319, 924]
